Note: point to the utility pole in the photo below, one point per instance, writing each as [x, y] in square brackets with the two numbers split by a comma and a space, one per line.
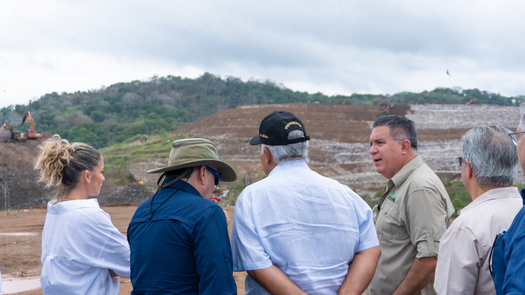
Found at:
[7, 202]
[5, 197]
[4, 186]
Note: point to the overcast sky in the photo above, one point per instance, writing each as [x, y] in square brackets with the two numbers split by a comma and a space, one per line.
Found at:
[333, 47]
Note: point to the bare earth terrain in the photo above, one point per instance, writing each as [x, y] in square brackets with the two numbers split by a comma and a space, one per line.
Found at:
[339, 145]
[20, 254]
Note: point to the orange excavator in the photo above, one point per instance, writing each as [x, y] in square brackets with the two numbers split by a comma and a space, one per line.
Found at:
[31, 134]
[471, 101]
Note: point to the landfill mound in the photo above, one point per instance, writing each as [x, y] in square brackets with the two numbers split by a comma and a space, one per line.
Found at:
[342, 123]
[353, 123]
[339, 146]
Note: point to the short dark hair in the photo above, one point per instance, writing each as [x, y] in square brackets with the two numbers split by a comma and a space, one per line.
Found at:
[400, 128]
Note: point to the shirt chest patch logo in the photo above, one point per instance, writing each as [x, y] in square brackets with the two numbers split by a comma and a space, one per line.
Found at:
[392, 197]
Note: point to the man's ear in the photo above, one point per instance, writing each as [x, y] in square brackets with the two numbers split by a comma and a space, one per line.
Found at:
[405, 146]
[268, 157]
[470, 173]
[202, 175]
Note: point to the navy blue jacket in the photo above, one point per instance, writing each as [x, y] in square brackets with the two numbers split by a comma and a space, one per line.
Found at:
[184, 248]
[508, 262]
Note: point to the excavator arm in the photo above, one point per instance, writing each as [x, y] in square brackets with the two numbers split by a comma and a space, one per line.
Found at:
[27, 115]
[5, 126]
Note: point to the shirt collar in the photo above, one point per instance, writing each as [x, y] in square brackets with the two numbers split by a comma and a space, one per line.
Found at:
[182, 184]
[288, 165]
[405, 172]
[63, 207]
[492, 194]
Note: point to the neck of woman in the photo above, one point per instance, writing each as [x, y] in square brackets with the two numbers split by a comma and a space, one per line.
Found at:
[78, 193]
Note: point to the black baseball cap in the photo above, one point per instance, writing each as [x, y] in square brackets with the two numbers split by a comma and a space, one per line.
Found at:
[275, 127]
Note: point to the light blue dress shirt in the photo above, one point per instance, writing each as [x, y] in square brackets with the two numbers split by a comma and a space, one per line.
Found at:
[307, 225]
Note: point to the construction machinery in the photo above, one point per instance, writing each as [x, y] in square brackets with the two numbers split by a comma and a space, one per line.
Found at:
[471, 101]
[386, 106]
[14, 134]
[31, 134]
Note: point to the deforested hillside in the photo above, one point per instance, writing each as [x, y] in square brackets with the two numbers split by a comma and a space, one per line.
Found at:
[342, 123]
[340, 133]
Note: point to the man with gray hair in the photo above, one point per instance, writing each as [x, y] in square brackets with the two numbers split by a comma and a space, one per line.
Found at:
[297, 232]
[488, 166]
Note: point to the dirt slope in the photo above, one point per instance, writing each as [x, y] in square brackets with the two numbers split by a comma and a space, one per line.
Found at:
[24, 191]
[340, 134]
[342, 123]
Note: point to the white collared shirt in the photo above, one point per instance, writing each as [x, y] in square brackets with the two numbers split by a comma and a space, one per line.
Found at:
[79, 247]
[307, 225]
[462, 266]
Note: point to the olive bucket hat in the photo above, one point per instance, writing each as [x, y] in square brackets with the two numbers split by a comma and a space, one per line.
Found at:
[195, 152]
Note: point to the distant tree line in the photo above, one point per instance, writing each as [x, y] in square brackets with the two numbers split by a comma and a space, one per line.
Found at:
[113, 114]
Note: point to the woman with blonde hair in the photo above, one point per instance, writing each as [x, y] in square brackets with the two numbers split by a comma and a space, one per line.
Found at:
[82, 251]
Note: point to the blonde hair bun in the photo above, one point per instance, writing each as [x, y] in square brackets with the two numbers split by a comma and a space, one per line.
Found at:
[61, 163]
[55, 154]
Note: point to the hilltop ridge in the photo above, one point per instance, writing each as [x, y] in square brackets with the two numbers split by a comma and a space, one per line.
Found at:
[113, 114]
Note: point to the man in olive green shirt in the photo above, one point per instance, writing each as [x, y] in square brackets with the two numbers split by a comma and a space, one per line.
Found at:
[412, 214]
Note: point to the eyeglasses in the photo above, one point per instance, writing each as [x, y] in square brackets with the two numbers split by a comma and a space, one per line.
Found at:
[515, 137]
[460, 160]
[215, 173]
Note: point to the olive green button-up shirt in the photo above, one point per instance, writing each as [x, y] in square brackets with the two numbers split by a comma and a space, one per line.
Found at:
[411, 217]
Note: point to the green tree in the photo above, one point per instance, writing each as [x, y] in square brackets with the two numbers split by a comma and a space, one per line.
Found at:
[98, 116]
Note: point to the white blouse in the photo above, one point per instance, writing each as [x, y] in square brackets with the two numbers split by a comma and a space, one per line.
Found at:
[80, 245]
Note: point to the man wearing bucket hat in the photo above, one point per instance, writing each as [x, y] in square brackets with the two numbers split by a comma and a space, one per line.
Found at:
[179, 238]
[297, 232]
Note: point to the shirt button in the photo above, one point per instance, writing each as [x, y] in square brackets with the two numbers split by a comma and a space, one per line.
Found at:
[428, 235]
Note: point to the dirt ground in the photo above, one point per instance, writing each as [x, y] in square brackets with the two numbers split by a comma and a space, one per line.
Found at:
[20, 255]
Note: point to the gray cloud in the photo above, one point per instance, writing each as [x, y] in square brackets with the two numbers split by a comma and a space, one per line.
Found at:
[329, 46]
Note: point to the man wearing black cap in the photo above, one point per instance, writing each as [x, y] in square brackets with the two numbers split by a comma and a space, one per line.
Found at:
[297, 232]
[179, 238]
